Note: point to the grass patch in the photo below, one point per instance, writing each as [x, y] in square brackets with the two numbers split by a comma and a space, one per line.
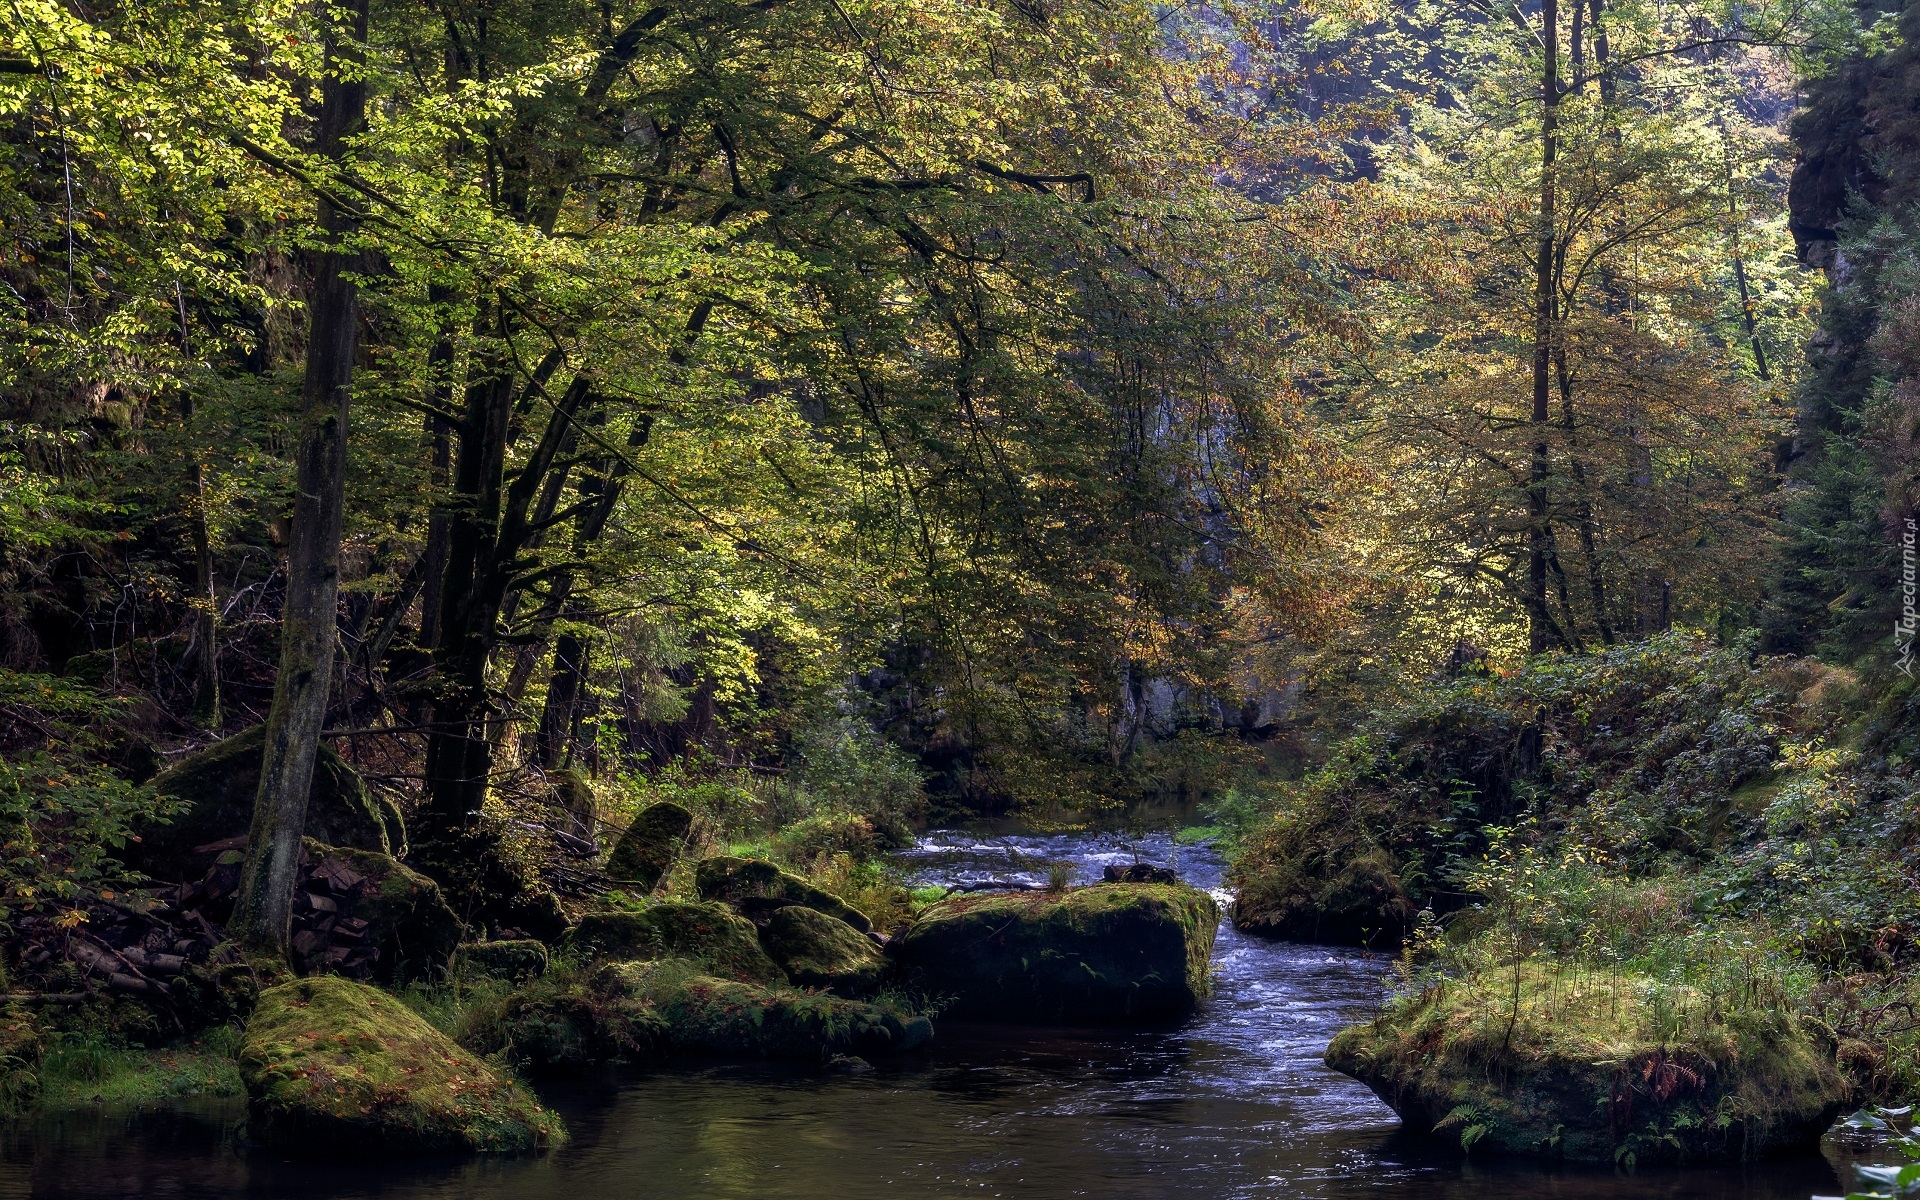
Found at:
[88, 1068]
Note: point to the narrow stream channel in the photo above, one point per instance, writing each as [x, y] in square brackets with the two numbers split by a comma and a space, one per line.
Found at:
[1234, 1104]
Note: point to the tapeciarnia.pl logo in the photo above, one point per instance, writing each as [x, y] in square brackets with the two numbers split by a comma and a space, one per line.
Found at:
[1903, 629]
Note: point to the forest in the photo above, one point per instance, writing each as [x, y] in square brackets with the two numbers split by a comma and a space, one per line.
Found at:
[754, 552]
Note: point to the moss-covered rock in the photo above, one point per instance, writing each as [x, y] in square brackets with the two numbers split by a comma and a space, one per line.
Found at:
[721, 1017]
[331, 1064]
[819, 951]
[712, 935]
[742, 881]
[642, 1011]
[648, 848]
[1106, 953]
[515, 960]
[350, 898]
[1595, 1069]
[218, 785]
[1344, 892]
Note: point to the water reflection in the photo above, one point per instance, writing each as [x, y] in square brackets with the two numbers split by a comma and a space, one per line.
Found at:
[1236, 1104]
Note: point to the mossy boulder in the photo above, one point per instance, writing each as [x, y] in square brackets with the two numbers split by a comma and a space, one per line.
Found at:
[743, 882]
[330, 1064]
[644, 1011]
[348, 900]
[819, 951]
[1347, 893]
[721, 1017]
[648, 848]
[217, 786]
[512, 959]
[712, 935]
[1101, 954]
[1595, 1069]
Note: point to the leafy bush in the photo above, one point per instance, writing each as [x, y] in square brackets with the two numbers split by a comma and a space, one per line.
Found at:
[1634, 753]
[65, 812]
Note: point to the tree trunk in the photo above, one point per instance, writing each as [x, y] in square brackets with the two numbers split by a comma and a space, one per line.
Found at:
[1540, 632]
[1739, 259]
[264, 903]
[206, 621]
[1582, 505]
[440, 365]
[492, 526]
[561, 713]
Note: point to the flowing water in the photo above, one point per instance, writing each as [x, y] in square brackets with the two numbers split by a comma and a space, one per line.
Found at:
[1234, 1104]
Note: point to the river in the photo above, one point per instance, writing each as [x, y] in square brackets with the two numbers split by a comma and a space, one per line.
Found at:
[1234, 1104]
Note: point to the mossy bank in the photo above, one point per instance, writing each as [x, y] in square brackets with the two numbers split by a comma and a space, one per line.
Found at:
[1592, 1067]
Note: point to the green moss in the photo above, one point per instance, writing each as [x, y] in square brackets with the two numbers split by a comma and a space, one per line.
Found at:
[406, 913]
[644, 1011]
[827, 834]
[819, 951]
[1633, 750]
[712, 935]
[1597, 1068]
[739, 881]
[648, 848]
[1111, 952]
[218, 786]
[704, 1015]
[332, 1063]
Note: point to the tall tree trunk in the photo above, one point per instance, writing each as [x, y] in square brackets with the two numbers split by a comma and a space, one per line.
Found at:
[492, 526]
[561, 713]
[1583, 504]
[1739, 258]
[440, 447]
[206, 621]
[1540, 632]
[264, 903]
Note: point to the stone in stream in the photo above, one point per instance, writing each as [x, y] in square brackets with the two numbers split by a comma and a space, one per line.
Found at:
[819, 951]
[709, 934]
[742, 881]
[1593, 1070]
[1101, 954]
[333, 1065]
[1138, 873]
[648, 848]
[645, 1011]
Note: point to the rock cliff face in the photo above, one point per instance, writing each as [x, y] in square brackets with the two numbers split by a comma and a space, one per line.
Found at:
[1858, 138]
[1854, 459]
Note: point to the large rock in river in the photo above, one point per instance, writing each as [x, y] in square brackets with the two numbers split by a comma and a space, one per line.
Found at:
[217, 786]
[1595, 1068]
[819, 951]
[1100, 954]
[644, 1011]
[333, 1065]
[750, 883]
[709, 934]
